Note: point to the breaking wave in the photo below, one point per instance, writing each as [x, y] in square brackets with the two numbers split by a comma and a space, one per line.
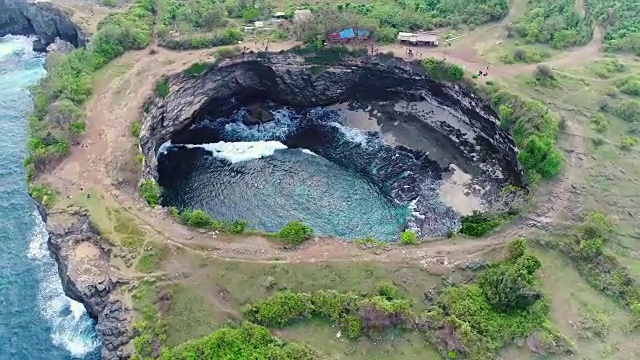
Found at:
[71, 326]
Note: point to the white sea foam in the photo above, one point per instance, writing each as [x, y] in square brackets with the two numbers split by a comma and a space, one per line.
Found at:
[15, 45]
[71, 327]
[164, 147]
[353, 134]
[236, 152]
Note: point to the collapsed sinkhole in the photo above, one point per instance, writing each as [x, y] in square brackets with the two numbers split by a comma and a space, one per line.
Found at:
[355, 149]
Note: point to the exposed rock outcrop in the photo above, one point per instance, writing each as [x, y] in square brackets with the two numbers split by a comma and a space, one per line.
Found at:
[42, 19]
[83, 265]
[288, 79]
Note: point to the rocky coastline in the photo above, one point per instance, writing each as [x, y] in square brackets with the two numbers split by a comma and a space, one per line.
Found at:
[87, 277]
[42, 19]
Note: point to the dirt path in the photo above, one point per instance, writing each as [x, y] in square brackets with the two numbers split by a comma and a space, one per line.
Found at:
[118, 99]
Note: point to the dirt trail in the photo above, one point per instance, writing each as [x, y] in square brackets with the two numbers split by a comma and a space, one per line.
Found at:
[116, 103]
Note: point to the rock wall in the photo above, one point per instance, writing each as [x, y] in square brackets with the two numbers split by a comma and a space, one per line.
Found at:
[42, 19]
[83, 265]
[289, 80]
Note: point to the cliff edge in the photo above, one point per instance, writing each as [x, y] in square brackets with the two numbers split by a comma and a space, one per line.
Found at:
[87, 277]
[42, 19]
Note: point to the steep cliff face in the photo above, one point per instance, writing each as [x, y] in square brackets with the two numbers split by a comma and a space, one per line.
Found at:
[288, 80]
[83, 265]
[44, 20]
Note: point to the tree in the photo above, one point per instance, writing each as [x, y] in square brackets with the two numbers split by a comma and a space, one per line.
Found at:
[295, 232]
[510, 286]
[215, 17]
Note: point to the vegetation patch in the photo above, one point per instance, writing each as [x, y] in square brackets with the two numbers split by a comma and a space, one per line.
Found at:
[442, 70]
[527, 55]
[196, 69]
[295, 233]
[604, 272]
[356, 315]
[475, 321]
[629, 85]
[151, 192]
[408, 237]
[200, 220]
[151, 257]
[534, 129]
[134, 129]
[58, 97]
[43, 194]
[479, 223]
[203, 41]
[246, 341]
[553, 22]
[162, 87]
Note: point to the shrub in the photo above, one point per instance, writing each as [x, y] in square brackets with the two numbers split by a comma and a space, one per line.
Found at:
[247, 341]
[478, 224]
[441, 70]
[162, 87]
[196, 69]
[628, 110]
[195, 218]
[629, 85]
[408, 237]
[517, 248]
[43, 194]
[600, 123]
[134, 129]
[628, 142]
[387, 289]
[543, 75]
[109, 3]
[150, 191]
[540, 155]
[283, 308]
[78, 127]
[295, 232]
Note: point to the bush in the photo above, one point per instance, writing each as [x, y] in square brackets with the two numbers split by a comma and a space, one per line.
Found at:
[78, 127]
[151, 192]
[544, 76]
[628, 142]
[628, 110]
[295, 233]
[463, 319]
[629, 85]
[408, 237]
[195, 218]
[248, 341]
[540, 155]
[134, 129]
[109, 3]
[600, 123]
[283, 308]
[478, 224]
[196, 69]
[43, 194]
[226, 37]
[162, 87]
[441, 70]
[387, 290]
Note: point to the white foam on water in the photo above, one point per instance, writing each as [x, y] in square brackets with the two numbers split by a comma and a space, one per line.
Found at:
[11, 45]
[352, 134]
[164, 147]
[240, 151]
[71, 327]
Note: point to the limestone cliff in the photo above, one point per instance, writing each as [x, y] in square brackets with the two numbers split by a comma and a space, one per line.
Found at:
[42, 19]
[288, 79]
[83, 265]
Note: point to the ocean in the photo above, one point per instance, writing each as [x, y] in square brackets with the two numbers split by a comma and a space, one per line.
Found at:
[37, 321]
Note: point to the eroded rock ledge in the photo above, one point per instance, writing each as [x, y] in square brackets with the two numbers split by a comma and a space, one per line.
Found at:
[87, 277]
[288, 79]
[42, 19]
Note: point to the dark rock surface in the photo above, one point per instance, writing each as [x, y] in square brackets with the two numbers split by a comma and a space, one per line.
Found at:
[42, 19]
[83, 265]
[289, 80]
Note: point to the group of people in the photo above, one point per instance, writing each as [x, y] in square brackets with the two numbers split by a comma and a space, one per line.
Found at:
[410, 52]
[485, 73]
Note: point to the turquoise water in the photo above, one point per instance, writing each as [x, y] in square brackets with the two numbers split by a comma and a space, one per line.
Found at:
[37, 321]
